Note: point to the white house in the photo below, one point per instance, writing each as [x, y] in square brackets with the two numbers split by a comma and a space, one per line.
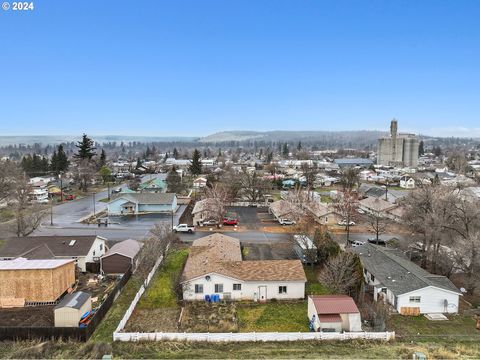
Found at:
[335, 313]
[142, 203]
[410, 289]
[407, 182]
[215, 266]
[200, 183]
[84, 249]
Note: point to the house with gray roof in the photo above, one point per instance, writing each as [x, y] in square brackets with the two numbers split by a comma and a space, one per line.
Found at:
[405, 285]
[142, 203]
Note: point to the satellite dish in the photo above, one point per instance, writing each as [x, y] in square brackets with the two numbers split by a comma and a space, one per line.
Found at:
[207, 277]
[463, 290]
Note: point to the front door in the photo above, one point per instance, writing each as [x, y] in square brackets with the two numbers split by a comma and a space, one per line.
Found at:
[262, 293]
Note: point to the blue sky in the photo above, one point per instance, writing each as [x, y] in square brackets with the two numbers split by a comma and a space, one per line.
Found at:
[196, 67]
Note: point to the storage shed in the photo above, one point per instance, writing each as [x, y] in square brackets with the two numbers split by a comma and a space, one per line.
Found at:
[333, 313]
[121, 257]
[71, 309]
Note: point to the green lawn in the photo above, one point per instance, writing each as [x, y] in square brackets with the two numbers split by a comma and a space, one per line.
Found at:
[279, 316]
[160, 291]
[313, 286]
[416, 327]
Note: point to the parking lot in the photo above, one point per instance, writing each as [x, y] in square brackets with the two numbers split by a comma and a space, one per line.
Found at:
[252, 218]
[276, 251]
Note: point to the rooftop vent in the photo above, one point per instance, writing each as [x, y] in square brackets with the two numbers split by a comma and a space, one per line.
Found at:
[72, 242]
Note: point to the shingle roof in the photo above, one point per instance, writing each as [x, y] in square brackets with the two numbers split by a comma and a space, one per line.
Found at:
[376, 204]
[74, 300]
[334, 304]
[221, 254]
[397, 273]
[282, 208]
[147, 198]
[57, 245]
[128, 248]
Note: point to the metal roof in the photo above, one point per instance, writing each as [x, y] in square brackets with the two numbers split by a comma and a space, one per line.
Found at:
[334, 304]
[24, 264]
[74, 300]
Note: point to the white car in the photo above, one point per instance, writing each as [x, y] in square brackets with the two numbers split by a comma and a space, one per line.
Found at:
[344, 223]
[184, 228]
[286, 222]
[358, 243]
[360, 211]
[210, 223]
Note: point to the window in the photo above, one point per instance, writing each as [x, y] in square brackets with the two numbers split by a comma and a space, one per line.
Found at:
[101, 247]
[219, 288]
[237, 287]
[372, 277]
[414, 299]
[282, 289]
[93, 252]
[365, 271]
[198, 289]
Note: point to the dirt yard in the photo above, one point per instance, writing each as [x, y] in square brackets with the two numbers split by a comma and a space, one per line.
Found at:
[209, 317]
[27, 316]
[154, 320]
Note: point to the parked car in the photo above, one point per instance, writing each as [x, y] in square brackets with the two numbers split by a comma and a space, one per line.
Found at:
[358, 243]
[230, 221]
[184, 228]
[344, 223]
[360, 211]
[380, 242]
[209, 222]
[69, 197]
[116, 191]
[286, 222]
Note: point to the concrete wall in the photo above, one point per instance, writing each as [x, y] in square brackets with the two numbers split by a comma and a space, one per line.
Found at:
[249, 291]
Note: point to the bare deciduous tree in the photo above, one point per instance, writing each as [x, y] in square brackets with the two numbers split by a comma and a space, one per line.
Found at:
[155, 245]
[254, 187]
[342, 274]
[346, 205]
[28, 216]
[377, 223]
[216, 199]
[84, 173]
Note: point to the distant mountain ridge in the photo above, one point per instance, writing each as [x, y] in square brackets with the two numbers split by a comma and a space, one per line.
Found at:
[279, 135]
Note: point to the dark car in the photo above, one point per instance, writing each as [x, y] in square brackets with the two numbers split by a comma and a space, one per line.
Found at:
[379, 242]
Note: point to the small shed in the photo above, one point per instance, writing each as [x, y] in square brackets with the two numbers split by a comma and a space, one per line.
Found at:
[120, 257]
[71, 309]
[333, 313]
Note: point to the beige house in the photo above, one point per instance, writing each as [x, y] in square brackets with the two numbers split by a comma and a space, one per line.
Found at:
[215, 267]
[36, 280]
[71, 309]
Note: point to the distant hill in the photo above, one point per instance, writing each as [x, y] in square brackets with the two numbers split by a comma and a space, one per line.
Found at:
[363, 136]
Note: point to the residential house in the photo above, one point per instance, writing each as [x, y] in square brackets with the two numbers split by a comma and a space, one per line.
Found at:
[85, 250]
[215, 267]
[282, 209]
[410, 289]
[155, 185]
[35, 280]
[353, 162]
[333, 313]
[202, 211]
[142, 203]
[407, 182]
[121, 257]
[200, 182]
[376, 206]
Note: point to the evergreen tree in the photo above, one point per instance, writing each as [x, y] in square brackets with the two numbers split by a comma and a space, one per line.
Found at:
[196, 166]
[139, 163]
[299, 146]
[175, 153]
[285, 151]
[103, 158]
[62, 160]
[421, 149]
[86, 148]
[174, 181]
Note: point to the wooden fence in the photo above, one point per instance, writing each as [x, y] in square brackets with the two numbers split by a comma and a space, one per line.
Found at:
[77, 333]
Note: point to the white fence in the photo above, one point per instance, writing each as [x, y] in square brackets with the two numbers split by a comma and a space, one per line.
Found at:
[265, 336]
[139, 294]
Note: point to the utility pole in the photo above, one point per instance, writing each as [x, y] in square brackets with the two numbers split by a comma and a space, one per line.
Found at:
[61, 187]
[51, 211]
[172, 220]
[94, 204]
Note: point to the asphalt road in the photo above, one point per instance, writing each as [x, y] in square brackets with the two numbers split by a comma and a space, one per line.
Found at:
[254, 237]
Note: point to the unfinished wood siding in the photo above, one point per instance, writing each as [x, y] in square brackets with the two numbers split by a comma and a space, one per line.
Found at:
[37, 284]
[116, 264]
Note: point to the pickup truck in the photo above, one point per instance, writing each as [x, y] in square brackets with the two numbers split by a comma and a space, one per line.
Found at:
[184, 228]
